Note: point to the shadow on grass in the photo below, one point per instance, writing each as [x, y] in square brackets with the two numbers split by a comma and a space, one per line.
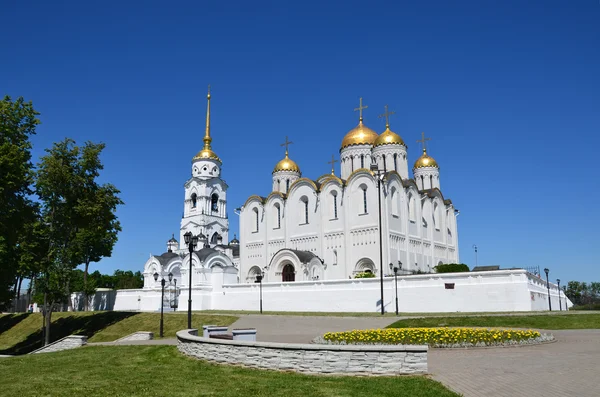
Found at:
[10, 320]
[87, 325]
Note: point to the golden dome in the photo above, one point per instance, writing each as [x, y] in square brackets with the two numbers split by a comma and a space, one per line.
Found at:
[425, 161]
[388, 137]
[206, 153]
[359, 135]
[287, 164]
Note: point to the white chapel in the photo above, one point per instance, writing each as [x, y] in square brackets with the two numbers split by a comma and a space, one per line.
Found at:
[329, 228]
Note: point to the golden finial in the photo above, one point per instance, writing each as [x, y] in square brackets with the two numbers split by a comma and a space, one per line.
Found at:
[423, 140]
[286, 144]
[332, 162]
[207, 139]
[360, 109]
[387, 117]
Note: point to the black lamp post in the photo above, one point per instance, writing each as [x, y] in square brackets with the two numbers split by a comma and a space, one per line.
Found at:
[162, 298]
[175, 303]
[259, 279]
[378, 173]
[548, 286]
[191, 241]
[396, 284]
[559, 301]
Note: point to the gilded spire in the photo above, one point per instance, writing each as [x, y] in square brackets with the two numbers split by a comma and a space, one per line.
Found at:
[207, 138]
[387, 115]
[332, 162]
[360, 109]
[286, 144]
[423, 140]
[206, 152]
[286, 164]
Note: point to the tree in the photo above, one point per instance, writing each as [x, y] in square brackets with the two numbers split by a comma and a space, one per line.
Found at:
[17, 124]
[451, 268]
[98, 226]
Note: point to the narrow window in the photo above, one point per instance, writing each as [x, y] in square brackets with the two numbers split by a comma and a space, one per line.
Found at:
[278, 217]
[384, 164]
[362, 161]
[287, 186]
[194, 200]
[395, 162]
[352, 163]
[422, 183]
[256, 219]
[335, 206]
[306, 211]
[365, 200]
[431, 181]
[214, 202]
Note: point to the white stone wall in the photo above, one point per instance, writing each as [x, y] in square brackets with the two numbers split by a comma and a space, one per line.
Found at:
[66, 343]
[310, 359]
[495, 291]
[142, 335]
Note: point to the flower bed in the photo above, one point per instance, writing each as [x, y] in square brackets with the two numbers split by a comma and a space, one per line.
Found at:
[436, 337]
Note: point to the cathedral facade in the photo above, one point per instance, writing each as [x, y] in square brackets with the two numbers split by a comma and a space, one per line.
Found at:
[330, 228]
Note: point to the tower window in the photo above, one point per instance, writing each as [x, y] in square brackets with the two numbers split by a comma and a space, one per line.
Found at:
[362, 161]
[194, 200]
[335, 215]
[287, 186]
[431, 181]
[255, 210]
[278, 211]
[395, 162]
[214, 202]
[365, 199]
[384, 164]
[352, 163]
[304, 201]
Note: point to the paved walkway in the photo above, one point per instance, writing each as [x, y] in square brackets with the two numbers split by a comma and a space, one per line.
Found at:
[569, 367]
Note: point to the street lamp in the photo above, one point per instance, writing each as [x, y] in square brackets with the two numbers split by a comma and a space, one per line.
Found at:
[379, 174]
[475, 248]
[174, 302]
[259, 278]
[559, 301]
[191, 241]
[162, 298]
[548, 286]
[396, 284]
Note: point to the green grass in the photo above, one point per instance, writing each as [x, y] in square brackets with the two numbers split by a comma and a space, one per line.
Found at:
[345, 314]
[163, 371]
[21, 333]
[550, 321]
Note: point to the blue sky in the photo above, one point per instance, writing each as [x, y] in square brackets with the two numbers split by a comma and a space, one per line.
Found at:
[509, 92]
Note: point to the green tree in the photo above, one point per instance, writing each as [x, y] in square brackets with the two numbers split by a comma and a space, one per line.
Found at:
[18, 120]
[451, 268]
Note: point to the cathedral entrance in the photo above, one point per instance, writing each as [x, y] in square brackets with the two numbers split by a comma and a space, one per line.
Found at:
[288, 273]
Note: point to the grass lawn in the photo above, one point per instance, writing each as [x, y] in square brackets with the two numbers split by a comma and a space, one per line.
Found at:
[341, 314]
[163, 371]
[21, 333]
[550, 321]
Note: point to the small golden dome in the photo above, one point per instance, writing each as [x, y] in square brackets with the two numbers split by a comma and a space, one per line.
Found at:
[425, 161]
[359, 135]
[206, 153]
[286, 164]
[388, 137]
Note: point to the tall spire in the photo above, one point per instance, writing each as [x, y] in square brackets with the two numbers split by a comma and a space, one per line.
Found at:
[286, 144]
[423, 140]
[360, 109]
[387, 115]
[207, 138]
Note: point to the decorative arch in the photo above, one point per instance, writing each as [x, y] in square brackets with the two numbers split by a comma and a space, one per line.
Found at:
[288, 273]
[365, 265]
[252, 273]
[214, 202]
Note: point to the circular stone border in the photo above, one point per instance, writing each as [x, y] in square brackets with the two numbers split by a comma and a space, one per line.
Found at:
[541, 340]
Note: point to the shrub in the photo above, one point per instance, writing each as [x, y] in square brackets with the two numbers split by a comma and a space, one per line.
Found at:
[364, 275]
[452, 268]
[437, 337]
[591, 306]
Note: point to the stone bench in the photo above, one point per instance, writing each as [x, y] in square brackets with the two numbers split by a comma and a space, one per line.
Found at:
[219, 332]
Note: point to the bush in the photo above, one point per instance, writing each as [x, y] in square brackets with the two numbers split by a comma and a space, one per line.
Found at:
[591, 306]
[432, 336]
[364, 275]
[452, 268]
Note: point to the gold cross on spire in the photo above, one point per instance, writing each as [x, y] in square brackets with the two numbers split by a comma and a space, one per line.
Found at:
[360, 109]
[332, 162]
[286, 144]
[387, 116]
[423, 140]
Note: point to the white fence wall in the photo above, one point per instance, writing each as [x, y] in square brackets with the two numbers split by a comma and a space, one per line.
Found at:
[496, 291]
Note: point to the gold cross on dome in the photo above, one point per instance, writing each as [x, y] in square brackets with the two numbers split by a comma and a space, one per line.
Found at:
[332, 162]
[286, 144]
[360, 109]
[423, 140]
[387, 115]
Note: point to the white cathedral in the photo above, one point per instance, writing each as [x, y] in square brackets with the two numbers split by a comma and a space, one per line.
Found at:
[323, 229]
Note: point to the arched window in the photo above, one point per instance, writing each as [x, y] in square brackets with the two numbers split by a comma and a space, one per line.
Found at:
[214, 239]
[278, 215]
[352, 163]
[214, 201]
[395, 162]
[362, 161]
[287, 186]
[422, 183]
[394, 198]
[412, 216]
[288, 273]
[304, 204]
[278, 185]
[255, 210]
[437, 217]
[431, 181]
[334, 202]
[364, 189]
[384, 164]
[194, 200]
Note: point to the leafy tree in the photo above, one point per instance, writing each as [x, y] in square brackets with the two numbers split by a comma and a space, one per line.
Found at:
[17, 124]
[452, 268]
